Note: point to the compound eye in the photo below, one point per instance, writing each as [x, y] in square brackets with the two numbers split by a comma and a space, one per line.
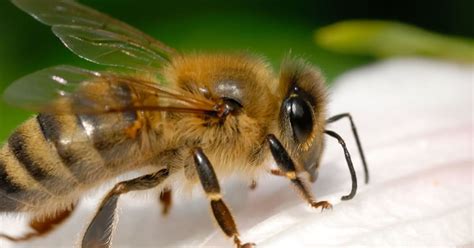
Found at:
[301, 118]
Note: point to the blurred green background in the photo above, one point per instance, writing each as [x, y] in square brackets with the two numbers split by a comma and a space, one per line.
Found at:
[270, 28]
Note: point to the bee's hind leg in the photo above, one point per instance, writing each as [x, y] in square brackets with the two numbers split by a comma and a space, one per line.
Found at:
[99, 232]
[211, 186]
[42, 225]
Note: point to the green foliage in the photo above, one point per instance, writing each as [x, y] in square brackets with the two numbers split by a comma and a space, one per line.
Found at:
[385, 39]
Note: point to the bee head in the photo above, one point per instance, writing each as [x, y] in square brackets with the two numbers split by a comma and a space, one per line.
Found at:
[302, 113]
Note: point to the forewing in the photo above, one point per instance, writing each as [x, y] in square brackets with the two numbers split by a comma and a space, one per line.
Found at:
[105, 47]
[72, 90]
[105, 104]
[98, 37]
[40, 90]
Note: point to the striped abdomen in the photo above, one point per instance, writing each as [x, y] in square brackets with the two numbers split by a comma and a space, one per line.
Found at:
[51, 159]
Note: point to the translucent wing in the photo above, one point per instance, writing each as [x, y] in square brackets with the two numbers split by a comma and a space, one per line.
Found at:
[71, 90]
[98, 37]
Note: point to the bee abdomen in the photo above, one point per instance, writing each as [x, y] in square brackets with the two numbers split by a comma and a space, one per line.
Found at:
[24, 153]
[54, 157]
[30, 171]
[72, 147]
[17, 190]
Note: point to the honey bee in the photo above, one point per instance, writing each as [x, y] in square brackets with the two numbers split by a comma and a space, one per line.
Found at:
[191, 118]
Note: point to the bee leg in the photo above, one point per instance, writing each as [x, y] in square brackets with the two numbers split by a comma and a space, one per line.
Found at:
[99, 231]
[166, 201]
[277, 172]
[288, 169]
[253, 185]
[356, 136]
[349, 164]
[211, 186]
[43, 225]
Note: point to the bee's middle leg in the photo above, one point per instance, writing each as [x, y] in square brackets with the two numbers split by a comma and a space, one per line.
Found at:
[211, 186]
[99, 232]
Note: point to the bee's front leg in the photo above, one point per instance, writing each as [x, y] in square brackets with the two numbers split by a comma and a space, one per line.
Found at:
[211, 186]
[288, 169]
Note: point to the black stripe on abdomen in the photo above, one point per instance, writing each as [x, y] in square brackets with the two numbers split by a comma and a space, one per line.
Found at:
[8, 190]
[74, 154]
[49, 127]
[21, 150]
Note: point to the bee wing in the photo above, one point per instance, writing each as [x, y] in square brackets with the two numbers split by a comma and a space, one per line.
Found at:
[72, 90]
[98, 37]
